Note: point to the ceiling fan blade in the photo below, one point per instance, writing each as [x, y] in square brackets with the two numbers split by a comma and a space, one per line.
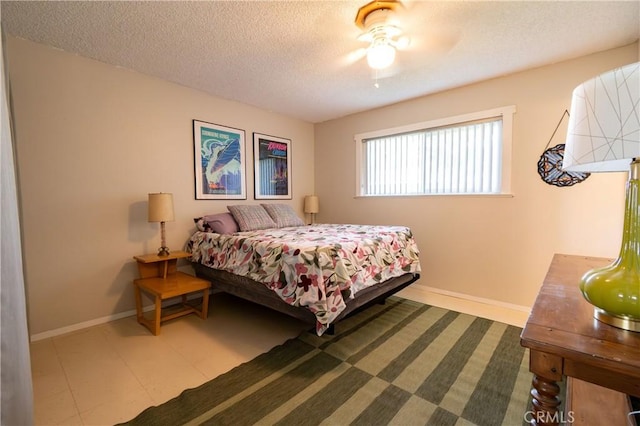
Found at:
[440, 41]
[365, 37]
[353, 56]
[427, 24]
[402, 43]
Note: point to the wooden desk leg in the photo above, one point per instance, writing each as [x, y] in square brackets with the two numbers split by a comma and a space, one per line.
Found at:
[205, 304]
[158, 315]
[545, 401]
[547, 370]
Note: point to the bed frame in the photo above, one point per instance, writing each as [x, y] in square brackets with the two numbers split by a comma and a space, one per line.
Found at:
[248, 289]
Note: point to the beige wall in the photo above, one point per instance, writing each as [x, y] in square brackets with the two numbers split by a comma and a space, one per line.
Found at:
[92, 140]
[496, 248]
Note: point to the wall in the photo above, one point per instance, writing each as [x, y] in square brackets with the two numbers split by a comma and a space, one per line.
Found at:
[92, 141]
[494, 248]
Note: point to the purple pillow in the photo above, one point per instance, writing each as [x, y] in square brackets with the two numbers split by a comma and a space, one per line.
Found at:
[221, 223]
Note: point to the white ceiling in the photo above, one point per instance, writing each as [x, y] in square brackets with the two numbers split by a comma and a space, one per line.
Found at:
[297, 57]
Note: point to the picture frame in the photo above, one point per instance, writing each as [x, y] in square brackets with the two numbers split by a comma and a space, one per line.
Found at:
[219, 162]
[271, 167]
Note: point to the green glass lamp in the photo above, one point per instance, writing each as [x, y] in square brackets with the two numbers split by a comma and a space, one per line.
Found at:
[604, 136]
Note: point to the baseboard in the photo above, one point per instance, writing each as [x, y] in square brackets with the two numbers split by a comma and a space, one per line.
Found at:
[82, 325]
[485, 308]
[495, 310]
[103, 320]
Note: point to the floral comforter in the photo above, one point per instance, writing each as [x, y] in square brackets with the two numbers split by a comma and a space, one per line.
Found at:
[315, 266]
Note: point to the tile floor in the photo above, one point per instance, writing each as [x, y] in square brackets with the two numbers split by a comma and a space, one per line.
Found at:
[111, 372]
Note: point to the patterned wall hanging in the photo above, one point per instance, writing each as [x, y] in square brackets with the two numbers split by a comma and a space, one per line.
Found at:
[550, 164]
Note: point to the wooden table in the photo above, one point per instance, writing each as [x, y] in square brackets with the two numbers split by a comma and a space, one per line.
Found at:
[565, 340]
[160, 278]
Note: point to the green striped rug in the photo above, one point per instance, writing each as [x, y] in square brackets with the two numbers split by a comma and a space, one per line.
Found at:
[402, 363]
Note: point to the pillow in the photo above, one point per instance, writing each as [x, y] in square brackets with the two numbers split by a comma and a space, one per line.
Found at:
[251, 217]
[283, 215]
[201, 224]
[221, 223]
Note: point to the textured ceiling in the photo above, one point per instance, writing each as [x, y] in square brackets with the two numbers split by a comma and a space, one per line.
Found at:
[303, 59]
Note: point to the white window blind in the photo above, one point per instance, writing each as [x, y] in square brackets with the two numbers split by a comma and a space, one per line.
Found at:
[460, 158]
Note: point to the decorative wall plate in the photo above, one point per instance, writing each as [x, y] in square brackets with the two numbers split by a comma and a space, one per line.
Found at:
[550, 168]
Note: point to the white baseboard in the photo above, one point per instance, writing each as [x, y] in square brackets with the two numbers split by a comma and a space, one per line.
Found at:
[82, 325]
[485, 308]
[102, 320]
[495, 310]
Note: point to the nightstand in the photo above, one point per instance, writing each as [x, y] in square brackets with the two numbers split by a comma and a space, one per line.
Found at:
[160, 278]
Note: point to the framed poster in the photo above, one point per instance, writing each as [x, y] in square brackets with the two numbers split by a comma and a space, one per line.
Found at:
[219, 162]
[271, 167]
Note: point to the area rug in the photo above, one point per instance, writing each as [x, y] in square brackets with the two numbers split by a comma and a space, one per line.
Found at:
[401, 363]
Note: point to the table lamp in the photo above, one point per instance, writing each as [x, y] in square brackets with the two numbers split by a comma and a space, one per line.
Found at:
[311, 206]
[604, 136]
[161, 210]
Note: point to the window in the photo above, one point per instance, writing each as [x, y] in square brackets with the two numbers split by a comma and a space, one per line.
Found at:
[467, 154]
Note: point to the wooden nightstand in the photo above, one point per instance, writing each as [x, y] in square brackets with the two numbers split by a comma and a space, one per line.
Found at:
[160, 278]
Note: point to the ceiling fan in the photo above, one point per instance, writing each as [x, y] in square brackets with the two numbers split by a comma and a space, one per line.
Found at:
[378, 20]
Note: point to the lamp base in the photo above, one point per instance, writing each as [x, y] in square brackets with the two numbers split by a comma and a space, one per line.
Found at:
[619, 321]
[615, 289]
[163, 251]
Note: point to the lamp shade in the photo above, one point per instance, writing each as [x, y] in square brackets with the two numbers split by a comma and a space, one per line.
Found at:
[604, 128]
[311, 204]
[161, 207]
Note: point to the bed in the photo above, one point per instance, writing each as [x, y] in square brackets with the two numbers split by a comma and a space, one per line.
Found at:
[316, 273]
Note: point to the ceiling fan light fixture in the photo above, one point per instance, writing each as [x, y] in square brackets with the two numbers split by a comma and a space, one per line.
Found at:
[380, 54]
[377, 19]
